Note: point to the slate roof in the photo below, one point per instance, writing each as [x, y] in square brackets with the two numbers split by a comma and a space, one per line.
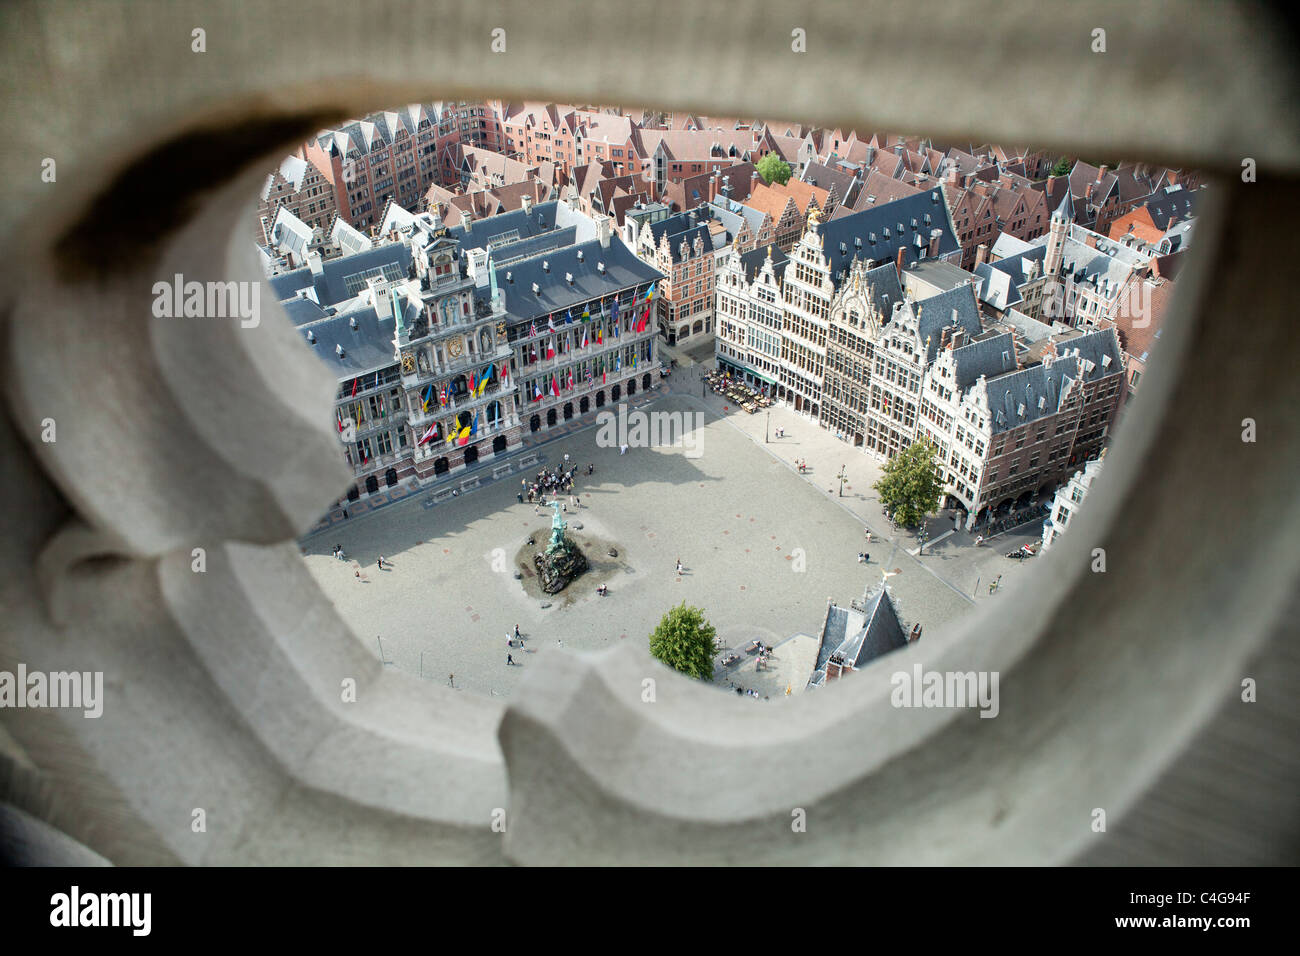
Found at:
[862, 234]
[860, 636]
[954, 307]
[541, 218]
[887, 287]
[366, 349]
[1170, 204]
[622, 271]
[1024, 396]
[995, 355]
[331, 285]
[752, 262]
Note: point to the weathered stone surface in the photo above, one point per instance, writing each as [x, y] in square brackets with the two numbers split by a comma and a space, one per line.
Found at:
[558, 568]
[163, 461]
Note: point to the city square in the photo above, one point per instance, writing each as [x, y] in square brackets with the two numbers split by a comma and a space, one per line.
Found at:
[762, 547]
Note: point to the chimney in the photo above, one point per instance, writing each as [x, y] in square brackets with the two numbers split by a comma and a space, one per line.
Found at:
[952, 172]
[981, 254]
[603, 229]
[313, 260]
[1101, 172]
[898, 260]
[526, 203]
[465, 221]
[726, 186]
[935, 236]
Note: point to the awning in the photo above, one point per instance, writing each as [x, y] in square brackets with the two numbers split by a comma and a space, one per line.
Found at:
[762, 378]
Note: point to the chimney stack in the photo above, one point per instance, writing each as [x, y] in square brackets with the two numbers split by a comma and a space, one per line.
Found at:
[981, 254]
[1101, 173]
[465, 220]
[526, 203]
[898, 260]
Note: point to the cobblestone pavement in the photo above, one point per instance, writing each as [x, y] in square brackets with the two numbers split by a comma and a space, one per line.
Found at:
[763, 547]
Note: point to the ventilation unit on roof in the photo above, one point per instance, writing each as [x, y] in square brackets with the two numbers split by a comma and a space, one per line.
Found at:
[339, 350]
[913, 223]
[353, 322]
[510, 277]
[546, 266]
[311, 336]
[579, 255]
[857, 242]
[537, 290]
[1020, 410]
[1042, 402]
[843, 248]
[873, 239]
[568, 277]
[600, 267]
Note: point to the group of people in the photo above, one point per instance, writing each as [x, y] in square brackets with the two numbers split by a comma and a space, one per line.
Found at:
[801, 464]
[551, 483]
[338, 552]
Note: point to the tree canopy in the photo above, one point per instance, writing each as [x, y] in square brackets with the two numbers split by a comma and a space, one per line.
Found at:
[912, 483]
[684, 641]
[773, 169]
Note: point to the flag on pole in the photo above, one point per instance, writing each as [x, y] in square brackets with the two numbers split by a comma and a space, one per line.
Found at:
[568, 317]
[550, 349]
[473, 427]
[532, 353]
[550, 322]
[650, 292]
[586, 313]
[584, 338]
[537, 397]
[600, 336]
[472, 384]
[430, 434]
[555, 386]
[428, 397]
[443, 397]
[613, 309]
[570, 379]
[532, 330]
[464, 436]
[505, 371]
[354, 387]
[618, 363]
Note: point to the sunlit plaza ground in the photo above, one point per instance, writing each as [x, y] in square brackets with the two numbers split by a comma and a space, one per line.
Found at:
[763, 547]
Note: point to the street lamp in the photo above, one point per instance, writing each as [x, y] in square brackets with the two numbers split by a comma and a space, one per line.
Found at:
[766, 427]
[843, 477]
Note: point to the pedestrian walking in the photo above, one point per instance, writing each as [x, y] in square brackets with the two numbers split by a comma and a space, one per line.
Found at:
[381, 562]
[510, 641]
[591, 469]
[577, 500]
[679, 565]
[509, 660]
[520, 496]
[345, 512]
[516, 630]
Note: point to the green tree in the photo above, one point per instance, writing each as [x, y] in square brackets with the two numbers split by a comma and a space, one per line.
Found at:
[773, 168]
[684, 641]
[912, 483]
[1062, 167]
